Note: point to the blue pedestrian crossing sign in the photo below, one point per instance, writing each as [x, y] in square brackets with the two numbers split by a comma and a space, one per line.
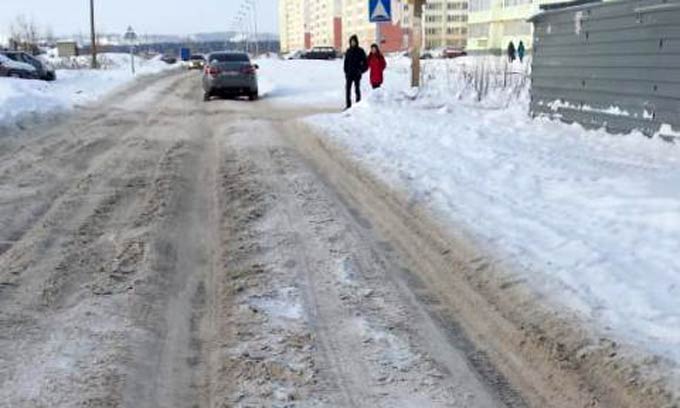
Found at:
[379, 11]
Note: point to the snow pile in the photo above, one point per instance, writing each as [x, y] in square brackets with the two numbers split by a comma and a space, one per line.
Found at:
[22, 98]
[589, 219]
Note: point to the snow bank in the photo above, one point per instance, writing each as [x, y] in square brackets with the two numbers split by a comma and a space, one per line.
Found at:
[589, 219]
[22, 98]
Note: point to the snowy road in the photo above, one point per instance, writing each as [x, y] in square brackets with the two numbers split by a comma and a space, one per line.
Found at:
[157, 251]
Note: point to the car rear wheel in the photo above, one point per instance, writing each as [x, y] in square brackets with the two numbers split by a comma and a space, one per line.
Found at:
[206, 96]
[253, 96]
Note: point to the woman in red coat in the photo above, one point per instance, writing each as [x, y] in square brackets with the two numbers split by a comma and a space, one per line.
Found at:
[377, 64]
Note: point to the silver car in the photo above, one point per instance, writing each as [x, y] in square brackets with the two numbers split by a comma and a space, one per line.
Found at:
[230, 73]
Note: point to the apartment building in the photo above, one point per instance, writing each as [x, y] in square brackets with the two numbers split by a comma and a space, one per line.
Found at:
[310, 23]
[445, 23]
[492, 24]
[294, 27]
[390, 35]
[325, 22]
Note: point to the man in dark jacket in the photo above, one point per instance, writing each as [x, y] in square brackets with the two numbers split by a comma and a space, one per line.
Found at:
[355, 66]
[511, 52]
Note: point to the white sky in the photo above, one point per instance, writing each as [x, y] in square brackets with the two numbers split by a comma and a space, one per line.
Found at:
[67, 17]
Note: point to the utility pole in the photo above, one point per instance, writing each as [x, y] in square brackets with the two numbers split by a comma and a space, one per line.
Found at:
[93, 36]
[417, 33]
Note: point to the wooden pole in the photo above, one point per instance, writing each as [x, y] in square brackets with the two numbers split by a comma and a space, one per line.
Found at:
[93, 36]
[417, 34]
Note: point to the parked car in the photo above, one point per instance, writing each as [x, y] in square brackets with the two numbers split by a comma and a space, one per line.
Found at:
[230, 73]
[14, 69]
[43, 71]
[451, 52]
[169, 59]
[298, 54]
[196, 61]
[321, 53]
[424, 55]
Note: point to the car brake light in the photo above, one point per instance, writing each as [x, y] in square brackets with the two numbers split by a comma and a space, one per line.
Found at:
[214, 71]
[248, 69]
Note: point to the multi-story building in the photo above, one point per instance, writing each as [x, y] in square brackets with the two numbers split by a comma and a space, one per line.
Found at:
[309, 23]
[445, 23]
[325, 22]
[294, 27]
[390, 35]
[492, 24]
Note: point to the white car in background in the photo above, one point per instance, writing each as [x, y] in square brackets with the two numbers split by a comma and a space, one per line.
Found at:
[15, 69]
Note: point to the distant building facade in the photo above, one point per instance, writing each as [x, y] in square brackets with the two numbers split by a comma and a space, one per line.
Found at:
[492, 24]
[392, 36]
[67, 48]
[294, 27]
[308, 23]
[445, 23]
[325, 22]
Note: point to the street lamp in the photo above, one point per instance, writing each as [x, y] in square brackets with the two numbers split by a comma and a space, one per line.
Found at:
[253, 4]
[131, 38]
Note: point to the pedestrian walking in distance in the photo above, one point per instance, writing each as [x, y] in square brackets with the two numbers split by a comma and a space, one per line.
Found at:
[376, 64]
[355, 66]
[511, 52]
[520, 51]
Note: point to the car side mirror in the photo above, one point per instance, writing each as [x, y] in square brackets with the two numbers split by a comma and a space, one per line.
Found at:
[256, 66]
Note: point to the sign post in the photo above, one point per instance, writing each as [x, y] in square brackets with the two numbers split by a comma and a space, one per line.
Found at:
[379, 11]
[131, 37]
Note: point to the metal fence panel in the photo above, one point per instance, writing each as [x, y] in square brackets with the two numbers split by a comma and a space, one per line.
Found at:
[614, 65]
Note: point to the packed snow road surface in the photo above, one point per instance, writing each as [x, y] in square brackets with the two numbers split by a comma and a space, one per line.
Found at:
[158, 251]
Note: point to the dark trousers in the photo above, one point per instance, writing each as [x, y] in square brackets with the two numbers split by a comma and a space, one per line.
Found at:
[348, 89]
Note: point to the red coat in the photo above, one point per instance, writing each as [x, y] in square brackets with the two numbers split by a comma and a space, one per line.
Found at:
[377, 64]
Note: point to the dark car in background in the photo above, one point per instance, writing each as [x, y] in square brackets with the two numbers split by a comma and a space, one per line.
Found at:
[43, 71]
[14, 69]
[230, 73]
[321, 53]
[169, 59]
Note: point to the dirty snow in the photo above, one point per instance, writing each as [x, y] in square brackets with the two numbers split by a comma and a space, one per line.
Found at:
[590, 219]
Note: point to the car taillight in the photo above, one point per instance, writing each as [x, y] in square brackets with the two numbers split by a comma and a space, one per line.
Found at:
[214, 71]
[248, 69]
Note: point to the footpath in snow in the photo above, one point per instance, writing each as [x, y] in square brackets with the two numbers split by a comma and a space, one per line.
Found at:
[591, 220]
[20, 98]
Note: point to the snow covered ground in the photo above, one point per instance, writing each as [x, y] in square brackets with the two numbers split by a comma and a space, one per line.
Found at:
[21, 98]
[590, 219]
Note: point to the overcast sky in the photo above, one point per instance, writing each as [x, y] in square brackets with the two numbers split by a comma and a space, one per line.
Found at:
[67, 17]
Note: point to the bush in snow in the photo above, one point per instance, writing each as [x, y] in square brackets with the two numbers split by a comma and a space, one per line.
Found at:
[485, 79]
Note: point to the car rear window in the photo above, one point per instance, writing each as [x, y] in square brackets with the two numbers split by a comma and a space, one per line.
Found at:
[229, 58]
[196, 57]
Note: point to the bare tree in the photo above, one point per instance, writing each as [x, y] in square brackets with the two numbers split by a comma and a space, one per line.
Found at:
[24, 34]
